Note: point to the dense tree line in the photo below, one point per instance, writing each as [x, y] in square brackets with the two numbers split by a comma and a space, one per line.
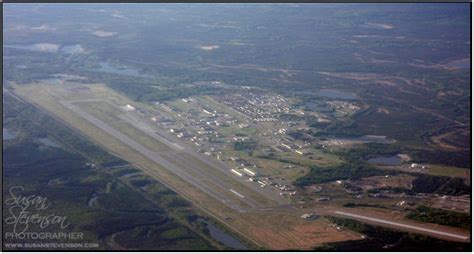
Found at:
[439, 216]
[247, 146]
[440, 185]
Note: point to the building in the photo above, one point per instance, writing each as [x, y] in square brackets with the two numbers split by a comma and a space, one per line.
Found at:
[129, 107]
[309, 216]
[249, 172]
[236, 172]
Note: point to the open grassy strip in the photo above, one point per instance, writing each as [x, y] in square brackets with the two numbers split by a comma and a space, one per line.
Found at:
[448, 171]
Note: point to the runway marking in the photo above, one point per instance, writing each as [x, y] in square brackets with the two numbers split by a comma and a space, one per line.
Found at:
[403, 225]
[236, 193]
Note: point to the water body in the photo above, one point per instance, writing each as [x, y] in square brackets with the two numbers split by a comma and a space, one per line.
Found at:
[49, 142]
[386, 160]
[224, 238]
[8, 134]
[128, 71]
[336, 94]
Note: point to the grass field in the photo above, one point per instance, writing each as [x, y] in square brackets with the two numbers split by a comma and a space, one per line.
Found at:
[271, 167]
[448, 171]
[317, 158]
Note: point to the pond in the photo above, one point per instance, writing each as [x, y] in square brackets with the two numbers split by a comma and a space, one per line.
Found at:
[128, 71]
[224, 238]
[336, 94]
[8, 134]
[394, 160]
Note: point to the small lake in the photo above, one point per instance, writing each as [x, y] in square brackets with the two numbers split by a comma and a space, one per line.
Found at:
[336, 94]
[224, 238]
[48, 142]
[8, 134]
[386, 160]
[128, 71]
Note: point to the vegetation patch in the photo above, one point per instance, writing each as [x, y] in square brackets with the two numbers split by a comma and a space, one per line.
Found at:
[439, 216]
[382, 239]
[347, 171]
[440, 185]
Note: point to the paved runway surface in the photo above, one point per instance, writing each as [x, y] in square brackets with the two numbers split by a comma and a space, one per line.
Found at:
[404, 226]
[192, 175]
[180, 146]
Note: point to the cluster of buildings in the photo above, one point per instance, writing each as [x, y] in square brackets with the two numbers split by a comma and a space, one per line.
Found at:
[256, 105]
[202, 123]
[343, 107]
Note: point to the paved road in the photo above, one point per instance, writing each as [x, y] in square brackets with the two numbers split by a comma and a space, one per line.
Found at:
[404, 226]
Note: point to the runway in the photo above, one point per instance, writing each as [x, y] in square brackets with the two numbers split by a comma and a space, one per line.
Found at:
[404, 226]
[190, 173]
[180, 146]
